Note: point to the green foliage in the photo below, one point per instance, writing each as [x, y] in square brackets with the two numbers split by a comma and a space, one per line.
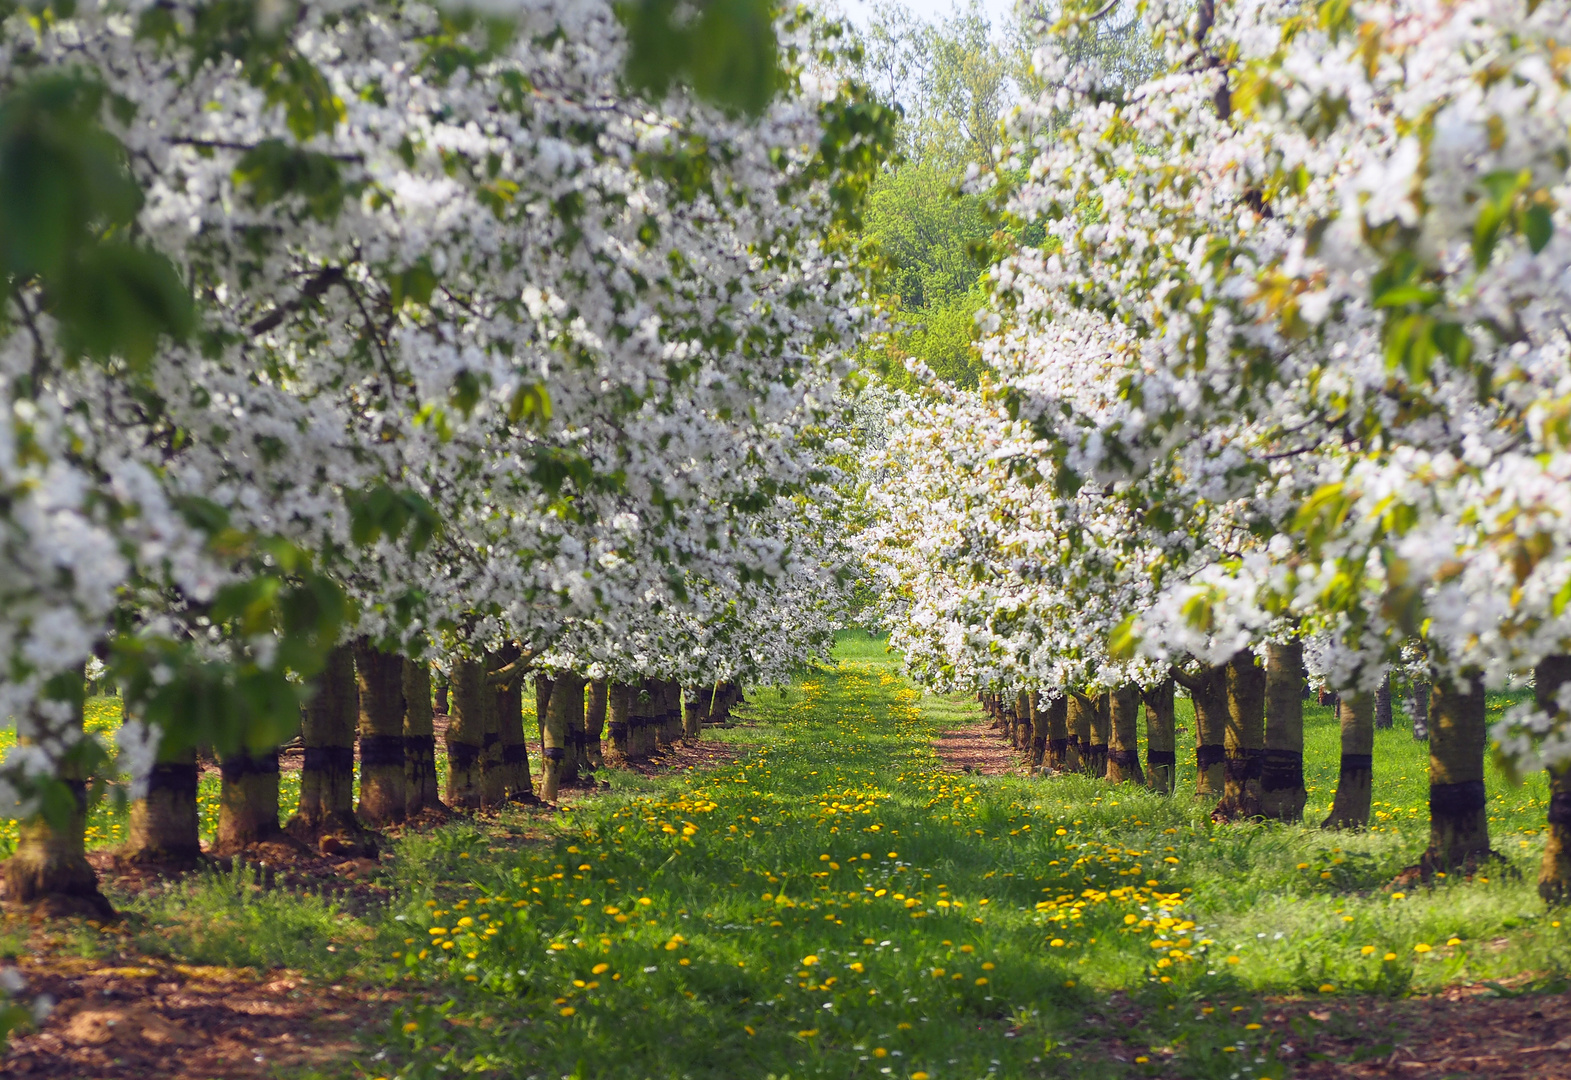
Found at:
[727, 51]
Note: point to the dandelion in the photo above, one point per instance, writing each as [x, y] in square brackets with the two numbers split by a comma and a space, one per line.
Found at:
[1454, 941]
[1389, 956]
[1367, 950]
[1421, 947]
[568, 1010]
[411, 1027]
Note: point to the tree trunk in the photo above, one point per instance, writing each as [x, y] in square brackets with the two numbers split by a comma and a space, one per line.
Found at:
[49, 867]
[1038, 728]
[1244, 737]
[1123, 745]
[383, 798]
[1079, 712]
[1355, 782]
[1209, 697]
[670, 713]
[517, 785]
[1101, 725]
[325, 819]
[493, 771]
[693, 715]
[618, 723]
[441, 699]
[594, 722]
[1056, 749]
[1383, 719]
[1161, 755]
[465, 734]
[1420, 711]
[164, 826]
[563, 714]
[421, 792]
[1282, 792]
[1458, 820]
[1554, 874]
[247, 801]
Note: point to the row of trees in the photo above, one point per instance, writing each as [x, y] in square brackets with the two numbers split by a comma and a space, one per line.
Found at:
[1282, 388]
[509, 344]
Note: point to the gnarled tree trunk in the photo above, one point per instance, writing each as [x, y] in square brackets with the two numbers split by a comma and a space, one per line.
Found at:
[1123, 745]
[465, 734]
[1355, 783]
[670, 731]
[694, 713]
[1458, 822]
[1101, 726]
[49, 867]
[1037, 728]
[1161, 745]
[1282, 792]
[1554, 874]
[383, 799]
[421, 792]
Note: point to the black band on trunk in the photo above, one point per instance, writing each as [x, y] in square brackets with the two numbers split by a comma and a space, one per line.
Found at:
[380, 750]
[1559, 808]
[490, 739]
[178, 779]
[1357, 763]
[1098, 748]
[238, 766]
[1157, 758]
[1244, 764]
[462, 755]
[329, 759]
[1281, 770]
[1124, 759]
[515, 753]
[78, 793]
[555, 753]
[1073, 740]
[1454, 800]
[420, 747]
[618, 729]
[1209, 754]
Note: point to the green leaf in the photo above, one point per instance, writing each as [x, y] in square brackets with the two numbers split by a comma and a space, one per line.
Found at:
[1538, 225]
[273, 170]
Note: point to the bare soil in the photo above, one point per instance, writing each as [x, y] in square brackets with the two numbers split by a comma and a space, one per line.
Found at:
[980, 749]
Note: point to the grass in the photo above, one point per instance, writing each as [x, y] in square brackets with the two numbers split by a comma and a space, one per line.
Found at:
[834, 904]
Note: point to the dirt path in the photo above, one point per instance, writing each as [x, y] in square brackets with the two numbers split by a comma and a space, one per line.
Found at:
[978, 748]
[152, 1018]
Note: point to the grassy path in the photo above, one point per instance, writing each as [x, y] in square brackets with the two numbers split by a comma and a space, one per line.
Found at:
[835, 904]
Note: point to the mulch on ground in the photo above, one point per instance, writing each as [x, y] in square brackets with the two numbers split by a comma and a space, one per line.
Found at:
[136, 1017]
[155, 1019]
[979, 749]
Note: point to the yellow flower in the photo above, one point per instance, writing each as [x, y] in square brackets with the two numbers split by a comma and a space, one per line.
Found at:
[1303, 866]
[1421, 947]
[1399, 896]
[919, 1075]
[1327, 988]
[1454, 941]
[807, 1034]
[1141, 1060]
[1056, 942]
[988, 966]
[411, 1026]
[749, 1030]
[568, 1010]
[466, 921]
[981, 982]
[1367, 949]
[600, 969]
[1251, 1027]
[1389, 956]
[809, 961]
[1233, 960]
[880, 1052]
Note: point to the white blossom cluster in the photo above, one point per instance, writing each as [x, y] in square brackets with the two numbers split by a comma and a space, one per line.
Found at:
[1301, 314]
[506, 352]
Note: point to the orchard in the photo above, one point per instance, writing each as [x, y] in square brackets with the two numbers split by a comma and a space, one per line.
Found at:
[573, 482]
